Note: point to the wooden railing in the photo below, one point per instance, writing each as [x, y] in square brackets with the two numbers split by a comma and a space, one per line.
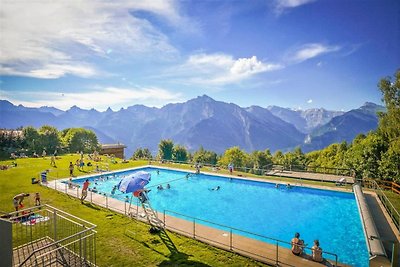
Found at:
[396, 188]
[385, 185]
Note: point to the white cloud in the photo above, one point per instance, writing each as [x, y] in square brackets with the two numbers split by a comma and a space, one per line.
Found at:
[282, 5]
[99, 98]
[309, 51]
[222, 69]
[49, 39]
[309, 101]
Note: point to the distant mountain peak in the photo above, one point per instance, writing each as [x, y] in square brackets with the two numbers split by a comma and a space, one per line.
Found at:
[75, 108]
[369, 104]
[205, 98]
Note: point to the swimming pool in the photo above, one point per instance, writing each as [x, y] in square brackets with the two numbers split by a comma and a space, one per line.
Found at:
[259, 207]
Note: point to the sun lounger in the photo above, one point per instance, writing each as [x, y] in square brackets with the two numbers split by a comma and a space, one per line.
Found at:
[341, 181]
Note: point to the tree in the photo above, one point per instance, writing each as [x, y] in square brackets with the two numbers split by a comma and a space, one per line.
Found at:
[49, 138]
[389, 124]
[138, 154]
[364, 155]
[31, 139]
[389, 127]
[179, 153]
[80, 139]
[165, 149]
[261, 159]
[278, 158]
[205, 156]
[236, 156]
[389, 168]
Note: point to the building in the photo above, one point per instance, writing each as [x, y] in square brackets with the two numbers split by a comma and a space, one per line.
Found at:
[113, 149]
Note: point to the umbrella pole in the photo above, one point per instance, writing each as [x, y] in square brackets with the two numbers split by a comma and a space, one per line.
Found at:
[130, 204]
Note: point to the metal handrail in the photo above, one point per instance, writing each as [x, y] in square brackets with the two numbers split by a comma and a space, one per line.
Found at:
[244, 231]
[57, 242]
[65, 245]
[88, 228]
[391, 210]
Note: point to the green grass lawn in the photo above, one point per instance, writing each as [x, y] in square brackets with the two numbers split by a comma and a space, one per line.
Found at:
[120, 240]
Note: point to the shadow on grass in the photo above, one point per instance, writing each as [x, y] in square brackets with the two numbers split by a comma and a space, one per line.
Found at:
[176, 258]
[90, 205]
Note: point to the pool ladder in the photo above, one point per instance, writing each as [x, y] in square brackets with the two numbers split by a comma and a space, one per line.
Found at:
[151, 215]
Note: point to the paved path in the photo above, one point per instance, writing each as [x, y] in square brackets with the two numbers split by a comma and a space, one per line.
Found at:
[312, 176]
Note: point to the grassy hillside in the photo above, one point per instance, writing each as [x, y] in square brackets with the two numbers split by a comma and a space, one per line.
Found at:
[114, 246]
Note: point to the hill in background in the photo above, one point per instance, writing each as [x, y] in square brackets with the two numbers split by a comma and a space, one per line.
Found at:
[203, 121]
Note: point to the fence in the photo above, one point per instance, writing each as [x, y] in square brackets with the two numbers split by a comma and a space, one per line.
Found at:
[264, 170]
[263, 248]
[393, 213]
[45, 235]
[256, 246]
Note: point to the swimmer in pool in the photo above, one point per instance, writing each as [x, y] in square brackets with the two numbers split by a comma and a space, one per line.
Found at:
[216, 188]
[113, 190]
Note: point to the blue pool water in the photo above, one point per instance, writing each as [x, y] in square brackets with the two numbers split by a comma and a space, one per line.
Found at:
[259, 207]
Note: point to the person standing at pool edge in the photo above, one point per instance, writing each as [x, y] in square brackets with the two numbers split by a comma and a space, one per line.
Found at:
[84, 190]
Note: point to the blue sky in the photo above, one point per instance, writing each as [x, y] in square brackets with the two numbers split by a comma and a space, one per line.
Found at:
[290, 53]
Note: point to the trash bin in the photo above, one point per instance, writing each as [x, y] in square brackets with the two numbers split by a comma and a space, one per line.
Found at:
[44, 177]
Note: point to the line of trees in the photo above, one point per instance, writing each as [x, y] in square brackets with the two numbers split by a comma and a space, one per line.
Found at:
[374, 155]
[31, 140]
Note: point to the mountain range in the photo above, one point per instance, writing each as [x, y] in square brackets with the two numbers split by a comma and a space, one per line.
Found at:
[205, 122]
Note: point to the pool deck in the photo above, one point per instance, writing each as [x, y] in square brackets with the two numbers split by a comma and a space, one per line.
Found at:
[248, 247]
[322, 177]
[261, 251]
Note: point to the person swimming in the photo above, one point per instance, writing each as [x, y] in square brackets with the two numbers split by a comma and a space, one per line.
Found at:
[113, 190]
[216, 188]
[160, 187]
[168, 186]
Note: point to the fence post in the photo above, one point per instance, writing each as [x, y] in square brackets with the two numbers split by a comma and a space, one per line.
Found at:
[164, 218]
[55, 225]
[194, 228]
[106, 202]
[137, 208]
[230, 241]
[395, 249]
[91, 197]
[277, 254]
